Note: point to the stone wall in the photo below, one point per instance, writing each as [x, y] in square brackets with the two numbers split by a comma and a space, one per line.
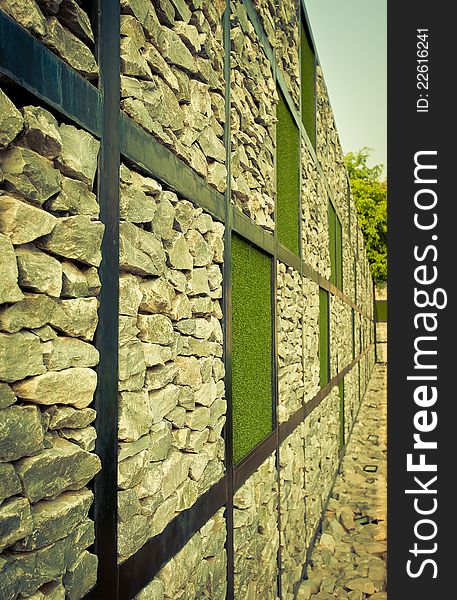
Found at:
[381, 327]
[197, 571]
[340, 335]
[62, 25]
[256, 535]
[171, 378]
[253, 102]
[321, 440]
[287, 45]
[50, 239]
[310, 338]
[293, 510]
[171, 387]
[172, 78]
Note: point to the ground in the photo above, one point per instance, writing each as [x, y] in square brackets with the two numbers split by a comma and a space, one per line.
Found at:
[349, 558]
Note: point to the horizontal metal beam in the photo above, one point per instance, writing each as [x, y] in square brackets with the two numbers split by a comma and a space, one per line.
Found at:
[252, 232]
[33, 66]
[141, 568]
[138, 570]
[141, 148]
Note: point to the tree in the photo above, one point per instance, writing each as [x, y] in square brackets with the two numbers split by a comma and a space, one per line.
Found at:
[370, 195]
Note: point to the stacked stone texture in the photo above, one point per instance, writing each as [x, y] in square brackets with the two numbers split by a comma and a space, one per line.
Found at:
[256, 535]
[290, 303]
[293, 510]
[321, 458]
[314, 215]
[381, 330]
[311, 230]
[340, 335]
[50, 239]
[253, 117]
[172, 78]
[351, 400]
[197, 571]
[311, 365]
[287, 45]
[266, 10]
[350, 555]
[171, 388]
[328, 148]
[62, 25]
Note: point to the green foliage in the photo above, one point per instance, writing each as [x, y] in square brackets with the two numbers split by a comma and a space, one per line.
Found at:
[370, 195]
[288, 176]
[251, 347]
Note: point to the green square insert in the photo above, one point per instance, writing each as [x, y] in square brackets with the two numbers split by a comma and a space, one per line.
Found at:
[252, 399]
[287, 176]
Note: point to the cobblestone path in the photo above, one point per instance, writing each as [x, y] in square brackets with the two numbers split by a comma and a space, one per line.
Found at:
[349, 558]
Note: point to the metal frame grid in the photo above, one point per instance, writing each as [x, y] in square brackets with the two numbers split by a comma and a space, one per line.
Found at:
[35, 69]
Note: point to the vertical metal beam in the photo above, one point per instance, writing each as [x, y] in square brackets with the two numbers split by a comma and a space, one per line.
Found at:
[105, 511]
[227, 305]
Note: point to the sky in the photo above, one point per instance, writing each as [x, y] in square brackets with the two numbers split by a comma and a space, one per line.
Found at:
[351, 41]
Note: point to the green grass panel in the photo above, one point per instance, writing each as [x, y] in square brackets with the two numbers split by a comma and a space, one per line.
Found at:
[324, 359]
[251, 347]
[308, 86]
[287, 176]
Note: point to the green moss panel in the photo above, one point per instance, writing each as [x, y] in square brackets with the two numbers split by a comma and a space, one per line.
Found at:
[287, 176]
[251, 347]
[324, 359]
[308, 85]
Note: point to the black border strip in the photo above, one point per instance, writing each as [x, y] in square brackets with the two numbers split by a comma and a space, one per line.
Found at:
[106, 398]
[33, 66]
